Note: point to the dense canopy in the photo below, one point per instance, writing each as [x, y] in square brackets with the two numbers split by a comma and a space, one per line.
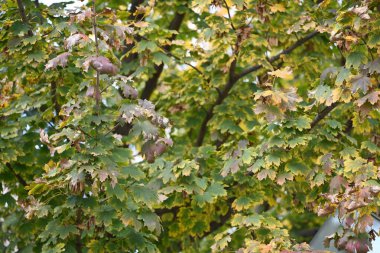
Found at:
[188, 126]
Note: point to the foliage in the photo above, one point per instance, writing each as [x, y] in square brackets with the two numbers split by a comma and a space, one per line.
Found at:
[188, 126]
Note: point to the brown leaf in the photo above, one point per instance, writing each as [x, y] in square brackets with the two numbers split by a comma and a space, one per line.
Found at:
[74, 39]
[283, 177]
[372, 98]
[362, 12]
[152, 149]
[266, 173]
[337, 183]
[60, 60]
[44, 138]
[129, 92]
[90, 91]
[364, 222]
[101, 64]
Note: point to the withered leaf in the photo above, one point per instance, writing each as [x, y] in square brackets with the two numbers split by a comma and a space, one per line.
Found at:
[74, 40]
[101, 64]
[60, 60]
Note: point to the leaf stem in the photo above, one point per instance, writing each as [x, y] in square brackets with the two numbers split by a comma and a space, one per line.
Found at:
[97, 85]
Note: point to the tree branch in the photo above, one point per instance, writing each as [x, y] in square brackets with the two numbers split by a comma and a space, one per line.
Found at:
[278, 56]
[233, 78]
[53, 93]
[19, 178]
[229, 15]
[24, 18]
[151, 84]
[97, 84]
[320, 116]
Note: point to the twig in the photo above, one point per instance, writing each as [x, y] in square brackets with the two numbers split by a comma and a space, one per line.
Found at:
[97, 85]
[278, 56]
[24, 18]
[19, 178]
[229, 15]
[323, 114]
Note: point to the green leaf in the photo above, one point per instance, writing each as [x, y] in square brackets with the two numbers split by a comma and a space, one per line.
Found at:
[355, 59]
[297, 168]
[133, 172]
[144, 194]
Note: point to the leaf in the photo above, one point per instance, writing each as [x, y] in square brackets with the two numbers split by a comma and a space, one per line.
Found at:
[360, 82]
[129, 92]
[241, 203]
[144, 194]
[117, 191]
[101, 64]
[141, 24]
[373, 66]
[74, 40]
[371, 98]
[133, 172]
[229, 126]
[216, 190]
[354, 59]
[282, 177]
[327, 73]
[266, 173]
[277, 8]
[151, 221]
[60, 60]
[342, 76]
[231, 166]
[285, 73]
[259, 163]
[147, 129]
[146, 45]
[65, 231]
[364, 222]
[297, 168]
[160, 58]
[354, 165]
[322, 93]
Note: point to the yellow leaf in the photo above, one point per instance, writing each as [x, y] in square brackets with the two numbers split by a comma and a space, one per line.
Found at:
[122, 7]
[141, 24]
[277, 8]
[243, 126]
[285, 73]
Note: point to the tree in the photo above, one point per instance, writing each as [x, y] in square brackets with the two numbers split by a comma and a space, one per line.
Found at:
[188, 126]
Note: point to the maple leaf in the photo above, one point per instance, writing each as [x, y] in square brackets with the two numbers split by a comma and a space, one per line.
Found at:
[362, 12]
[281, 179]
[372, 98]
[360, 82]
[277, 8]
[152, 149]
[285, 73]
[129, 92]
[74, 40]
[101, 64]
[337, 183]
[364, 222]
[266, 173]
[355, 245]
[60, 60]
[373, 66]
[82, 16]
[44, 138]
